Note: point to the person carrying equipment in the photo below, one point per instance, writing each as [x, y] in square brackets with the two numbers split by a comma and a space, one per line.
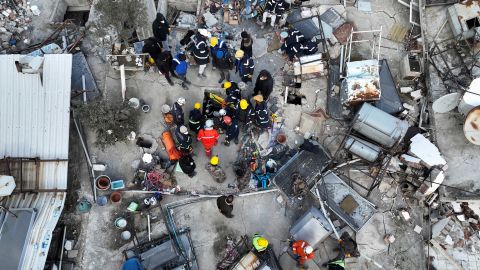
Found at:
[208, 136]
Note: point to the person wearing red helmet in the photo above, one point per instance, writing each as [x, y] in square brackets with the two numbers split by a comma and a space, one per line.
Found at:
[231, 131]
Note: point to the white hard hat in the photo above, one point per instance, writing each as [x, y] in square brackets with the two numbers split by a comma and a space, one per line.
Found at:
[308, 249]
[209, 123]
[165, 108]
[181, 101]
[203, 32]
[183, 129]
[222, 112]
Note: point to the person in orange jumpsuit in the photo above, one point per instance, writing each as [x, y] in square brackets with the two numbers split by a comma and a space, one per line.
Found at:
[303, 251]
[208, 136]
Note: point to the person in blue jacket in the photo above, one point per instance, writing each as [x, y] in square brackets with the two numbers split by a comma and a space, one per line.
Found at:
[244, 65]
[180, 66]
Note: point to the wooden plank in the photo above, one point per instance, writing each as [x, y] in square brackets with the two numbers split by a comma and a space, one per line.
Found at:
[397, 33]
[124, 84]
[440, 249]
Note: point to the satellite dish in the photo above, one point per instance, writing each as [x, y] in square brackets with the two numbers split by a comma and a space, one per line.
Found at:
[446, 103]
[471, 127]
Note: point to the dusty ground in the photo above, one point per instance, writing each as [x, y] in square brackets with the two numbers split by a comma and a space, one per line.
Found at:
[99, 241]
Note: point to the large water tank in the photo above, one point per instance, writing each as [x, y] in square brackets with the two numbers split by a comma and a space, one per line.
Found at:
[471, 127]
[379, 126]
[471, 98]
[362, 148]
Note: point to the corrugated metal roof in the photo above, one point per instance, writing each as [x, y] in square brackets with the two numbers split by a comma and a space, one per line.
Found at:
[34, 115]
[49, 206]
[34, 123]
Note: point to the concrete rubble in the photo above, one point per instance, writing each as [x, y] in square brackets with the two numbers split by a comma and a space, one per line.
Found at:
[369, 152]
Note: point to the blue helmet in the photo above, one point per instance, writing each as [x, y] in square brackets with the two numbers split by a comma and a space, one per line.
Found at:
[220, 54]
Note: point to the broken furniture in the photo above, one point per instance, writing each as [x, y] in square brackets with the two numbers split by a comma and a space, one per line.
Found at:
[306, 164]
[345, 202]
[312, 227]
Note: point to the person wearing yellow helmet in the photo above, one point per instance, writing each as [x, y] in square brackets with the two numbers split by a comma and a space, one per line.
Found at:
[245, 114]
[244, 65]
[221, 58]
[259, 242]
[233, 94]
[216, 170]
[195, 118]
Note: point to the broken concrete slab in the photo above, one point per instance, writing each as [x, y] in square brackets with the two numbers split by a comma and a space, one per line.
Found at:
[425, 150]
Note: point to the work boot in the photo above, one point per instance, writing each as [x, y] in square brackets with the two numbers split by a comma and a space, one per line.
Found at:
[184, 86]
[203, 75]
[226, 143]
[235, 140]
[170, 82]
[187, 81]
[214, 68]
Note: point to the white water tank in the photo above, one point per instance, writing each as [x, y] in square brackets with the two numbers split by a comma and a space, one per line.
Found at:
[471, 98]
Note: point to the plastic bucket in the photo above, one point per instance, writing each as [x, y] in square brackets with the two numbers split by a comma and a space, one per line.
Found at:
[120, 223]
[116, 197]
[125, 235]
[102, 182]
[102, 200]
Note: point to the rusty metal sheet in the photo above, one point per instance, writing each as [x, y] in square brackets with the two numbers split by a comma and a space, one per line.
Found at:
[343, 32]
[362, 82]
[471, 128]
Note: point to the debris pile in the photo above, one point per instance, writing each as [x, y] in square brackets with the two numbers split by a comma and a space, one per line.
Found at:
[15, 18]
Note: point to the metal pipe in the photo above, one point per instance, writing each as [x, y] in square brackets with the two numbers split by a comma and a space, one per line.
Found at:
[325, 212]
[87, 156]
[148, 227]
[84, 90]
[63, 247]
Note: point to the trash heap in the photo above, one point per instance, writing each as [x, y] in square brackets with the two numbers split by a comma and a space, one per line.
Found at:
[15, 19]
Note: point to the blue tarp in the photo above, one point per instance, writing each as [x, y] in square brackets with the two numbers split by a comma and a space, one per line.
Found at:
[132, 264]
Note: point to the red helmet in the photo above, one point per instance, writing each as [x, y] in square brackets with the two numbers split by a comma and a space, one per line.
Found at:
[227, 119]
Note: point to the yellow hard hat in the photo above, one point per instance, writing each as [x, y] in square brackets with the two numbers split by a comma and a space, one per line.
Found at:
[226, 85]
[151, 60]
[262, 242]
[214, 160]
[243, 104]
[239, 54]
[197, 105]
[213, 41]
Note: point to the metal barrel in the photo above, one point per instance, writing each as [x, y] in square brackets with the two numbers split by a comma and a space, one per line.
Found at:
[363, 149]
[379, 126]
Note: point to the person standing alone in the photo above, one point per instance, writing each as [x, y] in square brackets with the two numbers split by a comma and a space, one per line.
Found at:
[225, 205]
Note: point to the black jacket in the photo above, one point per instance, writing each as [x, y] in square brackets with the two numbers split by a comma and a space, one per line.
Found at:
[245, 68]
[187, 164]
[195, 120]
[165, 62]
[246, 46]
[246, 116]
[160, 28]
[264, 87]
[152, 47]
[224, 207]
[233, 94]
[276, 6]
[200, 50]
[262, 118]
[184, 140]
[232, 131]
[225, 62]
[178, 115]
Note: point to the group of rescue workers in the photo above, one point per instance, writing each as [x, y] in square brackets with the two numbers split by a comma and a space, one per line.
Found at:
[217, 115]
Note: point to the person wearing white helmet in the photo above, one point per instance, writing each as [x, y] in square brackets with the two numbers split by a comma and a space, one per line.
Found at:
[303, 251]
[208, 136]
[177, 111]
[184, 139]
